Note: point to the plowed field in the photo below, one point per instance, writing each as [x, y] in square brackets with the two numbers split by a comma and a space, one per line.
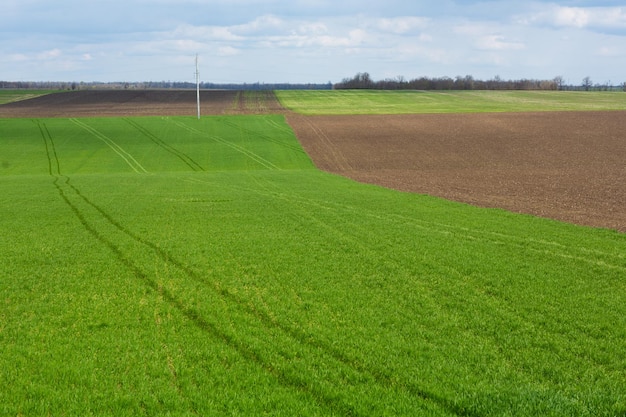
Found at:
[568, 166]
[101, 103]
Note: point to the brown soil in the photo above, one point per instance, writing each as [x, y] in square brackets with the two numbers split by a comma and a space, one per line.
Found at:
[569, 166]
[102, 103]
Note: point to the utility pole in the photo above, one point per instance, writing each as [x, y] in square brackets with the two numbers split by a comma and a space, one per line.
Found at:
[197, 86]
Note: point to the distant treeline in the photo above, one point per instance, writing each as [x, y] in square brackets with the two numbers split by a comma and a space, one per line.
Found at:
[359, 81]
[57, 85]
[364, 81]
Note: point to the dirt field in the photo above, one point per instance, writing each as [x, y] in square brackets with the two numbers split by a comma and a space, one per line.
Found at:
[102, 103]
[569, 166]
[566, 166]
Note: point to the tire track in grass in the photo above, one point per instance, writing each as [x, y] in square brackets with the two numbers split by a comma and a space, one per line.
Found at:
[253, 156]
[380, 375]
[127, 157]
[501, 309]
[327, 400]
[307, 207]
[285, 377]
[578, 252]
[72, 197]
[320, 349]
[54, 168]
[294, 147]
[187, 160]
[615, 261]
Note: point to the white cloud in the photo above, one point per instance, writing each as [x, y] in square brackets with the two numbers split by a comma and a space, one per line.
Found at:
[48, 55]
[402, 25]
[425, 37]
[203, 33]
[571, 16]
[227, 51]
[498, 42]
[488, 37]
[262, 24]
[18, 58]
[411, 52]
[313, 28]
[577, 17]
[611, 51]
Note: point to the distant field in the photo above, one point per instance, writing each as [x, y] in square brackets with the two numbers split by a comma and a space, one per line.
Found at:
[170, 266]
[111, 103]
[8, 96]
[346, 102]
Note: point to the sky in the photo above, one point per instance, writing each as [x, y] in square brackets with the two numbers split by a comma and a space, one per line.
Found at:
[311, 41]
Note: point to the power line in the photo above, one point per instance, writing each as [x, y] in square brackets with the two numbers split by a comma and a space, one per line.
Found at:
[198, 86]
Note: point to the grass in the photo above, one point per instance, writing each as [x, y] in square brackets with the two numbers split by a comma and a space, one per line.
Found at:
[169, 266]
[404, 102]
[8, 96]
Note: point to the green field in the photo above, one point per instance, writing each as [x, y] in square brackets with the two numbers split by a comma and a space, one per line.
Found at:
[8, 96]
[170, 266]
[405, 102]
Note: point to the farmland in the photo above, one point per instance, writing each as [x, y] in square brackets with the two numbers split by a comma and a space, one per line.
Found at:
[9, 96]
[351, 102]
[103, 103]
[168, 265]
[561, 165]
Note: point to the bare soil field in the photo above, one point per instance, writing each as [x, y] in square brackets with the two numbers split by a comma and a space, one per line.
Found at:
[103, 103]
[569, 166]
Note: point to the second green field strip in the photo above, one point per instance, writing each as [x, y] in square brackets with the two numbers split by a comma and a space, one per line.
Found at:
[156, 144]
[406, 102]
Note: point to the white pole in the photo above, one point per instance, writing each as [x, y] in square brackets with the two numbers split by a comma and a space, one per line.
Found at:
[197, 86]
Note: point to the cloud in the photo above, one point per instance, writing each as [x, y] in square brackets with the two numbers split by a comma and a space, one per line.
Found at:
[488, 37]
[311, 40]
[312, 28]
[611, 51]
[498, 42]
[402, 25]
[595, 18]
[261, 25]
[203, 33]
[18, 58]
[227, 51]
[49, 55]
[571, 16]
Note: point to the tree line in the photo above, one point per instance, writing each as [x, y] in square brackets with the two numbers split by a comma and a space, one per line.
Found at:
[363, 80]
[58, 85]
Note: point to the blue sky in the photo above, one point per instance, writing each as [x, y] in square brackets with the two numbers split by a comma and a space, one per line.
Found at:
[310, 40]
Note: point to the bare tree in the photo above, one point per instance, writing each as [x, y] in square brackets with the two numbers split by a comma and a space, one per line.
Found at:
[587, 84]
[558, 80]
